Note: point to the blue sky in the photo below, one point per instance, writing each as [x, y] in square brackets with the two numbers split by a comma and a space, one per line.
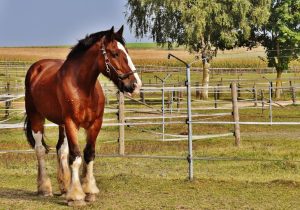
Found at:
[58, 22]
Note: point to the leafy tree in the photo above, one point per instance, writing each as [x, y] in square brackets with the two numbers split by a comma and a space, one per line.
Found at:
[201, 25]
[280, 35]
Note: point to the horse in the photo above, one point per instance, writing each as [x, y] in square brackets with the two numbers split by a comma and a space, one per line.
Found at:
[69, 94]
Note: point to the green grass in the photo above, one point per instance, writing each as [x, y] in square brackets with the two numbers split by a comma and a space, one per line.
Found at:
[127, 183]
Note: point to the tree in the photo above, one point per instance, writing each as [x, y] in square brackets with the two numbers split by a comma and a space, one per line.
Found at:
[200, 25]
[280, 35]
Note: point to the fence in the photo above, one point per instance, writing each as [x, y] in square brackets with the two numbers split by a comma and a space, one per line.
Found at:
[175, 95]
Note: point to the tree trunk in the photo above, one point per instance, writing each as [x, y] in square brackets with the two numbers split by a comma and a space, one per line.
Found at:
[278, 85]
[205, 80]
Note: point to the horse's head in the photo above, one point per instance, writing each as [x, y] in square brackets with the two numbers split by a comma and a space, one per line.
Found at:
[117, 63]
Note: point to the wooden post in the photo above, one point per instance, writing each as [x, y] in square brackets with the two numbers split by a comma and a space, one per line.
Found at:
[218, 91]
[179, 97]
[262, 101]
[197, 84]
[215, 97]
[121, 121]
[294, 95]
[238, 90]
[255, 94]
[8, 102]
[142, 96]
[235, 113]
[8, 88]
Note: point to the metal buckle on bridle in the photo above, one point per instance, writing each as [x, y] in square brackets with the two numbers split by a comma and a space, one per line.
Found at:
[109, 66]
[106, 60]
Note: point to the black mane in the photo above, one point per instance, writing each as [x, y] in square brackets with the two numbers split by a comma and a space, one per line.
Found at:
[90, 40]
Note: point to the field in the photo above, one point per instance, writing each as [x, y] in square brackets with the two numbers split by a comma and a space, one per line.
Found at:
[264, 173]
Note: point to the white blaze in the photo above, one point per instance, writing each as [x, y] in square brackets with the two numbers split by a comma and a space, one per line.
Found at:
[132, 67]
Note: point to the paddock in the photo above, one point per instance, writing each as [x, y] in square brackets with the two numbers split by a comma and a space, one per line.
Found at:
[267, 155]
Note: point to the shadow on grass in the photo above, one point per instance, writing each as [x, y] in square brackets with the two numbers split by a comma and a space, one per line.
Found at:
[21, 195]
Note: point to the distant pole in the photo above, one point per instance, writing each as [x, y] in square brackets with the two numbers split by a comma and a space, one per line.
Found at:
[262, 101]
[235, 112]
[270, 102]
[197, 90]
[215, 97]
[163, 103]
[121, 126]
[294, 95]
[255, 94]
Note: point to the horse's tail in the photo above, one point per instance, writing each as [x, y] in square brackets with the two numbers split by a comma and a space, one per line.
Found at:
[29, 107]
[29, 136]
[28, 132]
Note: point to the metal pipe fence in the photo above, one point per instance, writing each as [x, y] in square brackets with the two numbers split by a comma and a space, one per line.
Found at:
[235, 93]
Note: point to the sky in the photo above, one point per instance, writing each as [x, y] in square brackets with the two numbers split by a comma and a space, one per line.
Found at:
[59, 22]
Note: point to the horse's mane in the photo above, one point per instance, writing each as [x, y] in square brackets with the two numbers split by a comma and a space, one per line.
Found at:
[89, 40]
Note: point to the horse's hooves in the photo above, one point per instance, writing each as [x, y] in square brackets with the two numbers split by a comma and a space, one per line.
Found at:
[76, 203]
[90, 197]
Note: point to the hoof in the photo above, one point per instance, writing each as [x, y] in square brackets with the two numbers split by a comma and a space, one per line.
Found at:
[90, 197]
[77, 203]
[45, 194]
[63, 195]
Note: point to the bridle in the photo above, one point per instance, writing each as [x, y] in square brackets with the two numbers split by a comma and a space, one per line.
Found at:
[110, 67]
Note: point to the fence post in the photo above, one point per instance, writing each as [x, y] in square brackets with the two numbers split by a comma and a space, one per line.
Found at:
[255, 94]
[294, 95]
[239, 90]
[215, 97]
[142, 96]
[179, 97]
[121, 126]
[270, 102]
[197, 84]
[7, 102]
[218, 91]
[235, 113]
[262, 101]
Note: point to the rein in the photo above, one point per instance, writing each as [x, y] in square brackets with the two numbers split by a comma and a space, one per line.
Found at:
[110, 67]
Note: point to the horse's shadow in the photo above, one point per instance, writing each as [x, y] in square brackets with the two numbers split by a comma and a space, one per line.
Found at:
[21, 194]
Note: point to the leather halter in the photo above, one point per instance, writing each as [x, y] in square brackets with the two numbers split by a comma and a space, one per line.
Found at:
[110, 67]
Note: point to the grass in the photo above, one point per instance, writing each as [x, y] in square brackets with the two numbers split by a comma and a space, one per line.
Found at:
[162, 184]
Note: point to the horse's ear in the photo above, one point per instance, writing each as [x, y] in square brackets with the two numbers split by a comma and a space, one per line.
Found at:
[120, 31]
[110, 34]
[111, 31]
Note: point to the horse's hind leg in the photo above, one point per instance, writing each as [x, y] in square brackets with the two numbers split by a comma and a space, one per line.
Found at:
[88, 180]
[37, 127]
[63, 169]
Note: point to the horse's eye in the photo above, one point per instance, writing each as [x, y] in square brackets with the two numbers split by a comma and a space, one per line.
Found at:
[115, 55]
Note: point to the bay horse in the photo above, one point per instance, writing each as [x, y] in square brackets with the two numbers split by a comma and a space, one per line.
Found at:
[69, 94]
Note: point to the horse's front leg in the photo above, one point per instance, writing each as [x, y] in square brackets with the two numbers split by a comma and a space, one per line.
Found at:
[88, 180]
[75, 195]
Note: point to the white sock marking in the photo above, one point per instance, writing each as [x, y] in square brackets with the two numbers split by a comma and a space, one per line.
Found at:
[75, 169]
[63, 153]
[38, 138]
